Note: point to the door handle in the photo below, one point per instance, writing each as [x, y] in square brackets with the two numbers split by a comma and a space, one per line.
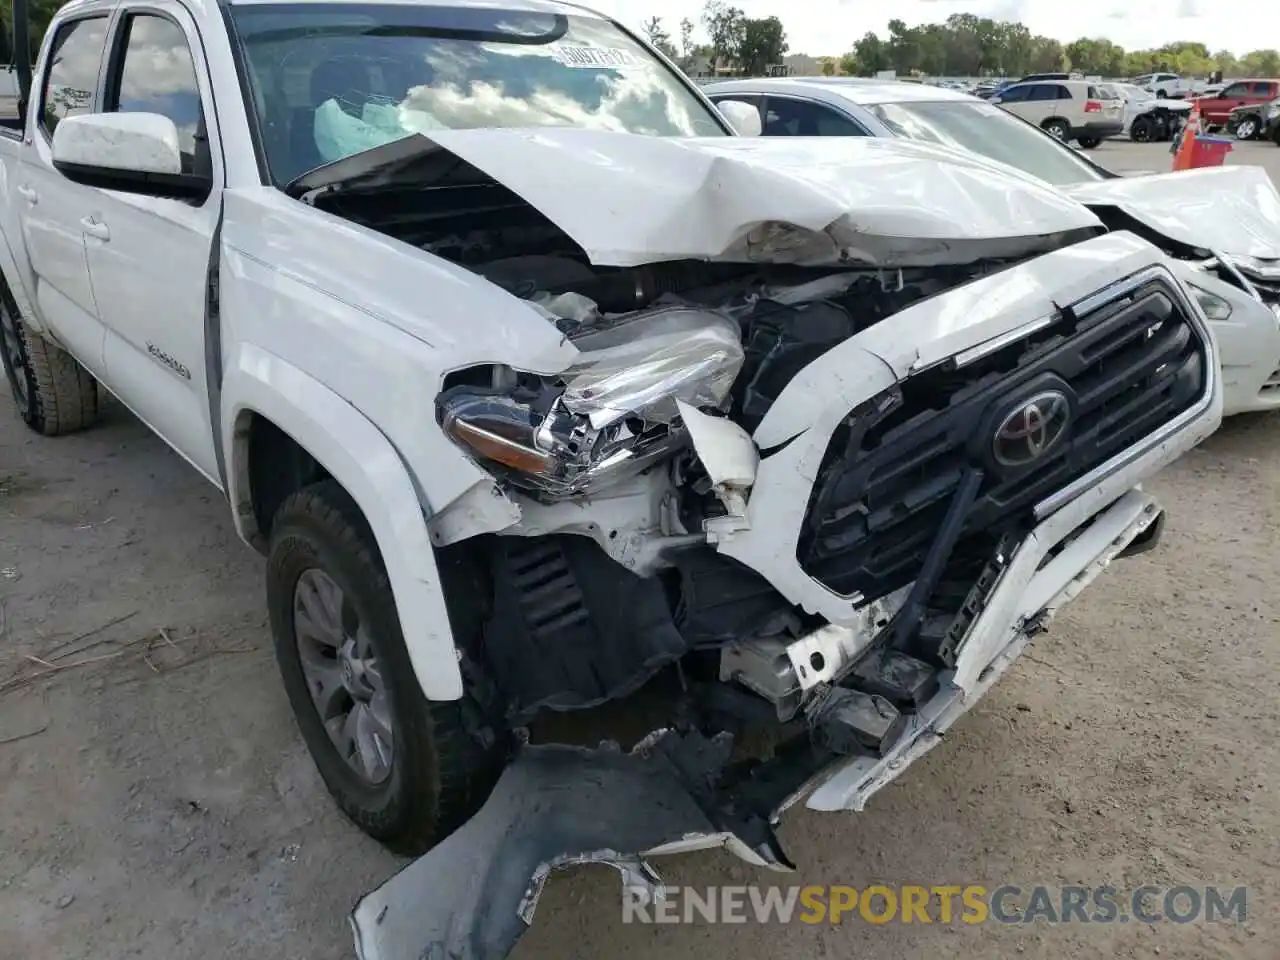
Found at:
[28, 194]
[95, 228]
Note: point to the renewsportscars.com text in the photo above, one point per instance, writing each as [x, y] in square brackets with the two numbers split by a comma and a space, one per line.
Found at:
[942, 904]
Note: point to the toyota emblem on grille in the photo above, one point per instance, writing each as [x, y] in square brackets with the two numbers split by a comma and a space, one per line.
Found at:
[1032, 429]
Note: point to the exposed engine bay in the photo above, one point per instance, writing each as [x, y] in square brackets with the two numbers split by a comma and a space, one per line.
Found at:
[667, 350]
[722, 339]
[820, 599]
[610, 576]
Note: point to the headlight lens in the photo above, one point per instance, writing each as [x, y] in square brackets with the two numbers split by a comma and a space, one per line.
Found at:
[612, 413]
[1214, 307]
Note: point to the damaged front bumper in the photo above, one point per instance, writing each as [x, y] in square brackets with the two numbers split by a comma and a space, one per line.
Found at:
[680, 790]
[474, 895]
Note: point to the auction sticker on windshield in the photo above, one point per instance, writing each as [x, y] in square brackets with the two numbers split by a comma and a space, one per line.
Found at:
[595, 57]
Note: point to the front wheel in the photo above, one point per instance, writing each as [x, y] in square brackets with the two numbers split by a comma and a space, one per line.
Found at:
[406, 770]
[1142, 130]
[1057, 129]
[1247, 128]
[53, 393]
[1089, 143]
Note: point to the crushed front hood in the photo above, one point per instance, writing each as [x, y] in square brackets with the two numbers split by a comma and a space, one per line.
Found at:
[629, 200]
[1234, 210]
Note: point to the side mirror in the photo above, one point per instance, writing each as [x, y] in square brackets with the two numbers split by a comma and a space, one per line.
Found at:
[130, 152]
[743, 117]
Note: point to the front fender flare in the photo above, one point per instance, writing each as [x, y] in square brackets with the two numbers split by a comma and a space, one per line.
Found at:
[358, 456]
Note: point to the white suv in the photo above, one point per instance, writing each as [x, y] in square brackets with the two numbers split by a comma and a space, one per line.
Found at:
[1068, 109]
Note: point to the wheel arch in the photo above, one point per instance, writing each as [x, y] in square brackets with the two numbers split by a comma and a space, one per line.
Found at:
[275, 415]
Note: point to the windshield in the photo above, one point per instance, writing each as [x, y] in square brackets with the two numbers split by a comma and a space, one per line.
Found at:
[331, 80]
[986, 129]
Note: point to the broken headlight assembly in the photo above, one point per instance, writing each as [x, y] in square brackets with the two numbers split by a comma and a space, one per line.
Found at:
[611, 414]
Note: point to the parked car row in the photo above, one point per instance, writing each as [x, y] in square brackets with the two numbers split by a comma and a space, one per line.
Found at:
[1239, 282]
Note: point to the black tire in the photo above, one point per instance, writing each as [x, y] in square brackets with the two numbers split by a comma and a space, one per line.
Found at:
[53, 393]
[1058, 129]
[1088, 143]
[440, 773]
[1142, 130]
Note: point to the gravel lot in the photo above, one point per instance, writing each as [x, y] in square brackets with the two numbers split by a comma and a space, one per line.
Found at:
[163, 806]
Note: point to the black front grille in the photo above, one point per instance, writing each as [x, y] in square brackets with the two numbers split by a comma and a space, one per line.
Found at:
[888, 477]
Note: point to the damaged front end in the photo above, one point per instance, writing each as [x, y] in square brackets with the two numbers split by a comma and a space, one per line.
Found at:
[810, 485]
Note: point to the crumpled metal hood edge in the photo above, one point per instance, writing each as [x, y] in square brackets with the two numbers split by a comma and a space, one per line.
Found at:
[1233, 210]
[629, 200]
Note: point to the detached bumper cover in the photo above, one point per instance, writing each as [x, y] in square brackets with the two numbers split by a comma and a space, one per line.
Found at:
[472, 897]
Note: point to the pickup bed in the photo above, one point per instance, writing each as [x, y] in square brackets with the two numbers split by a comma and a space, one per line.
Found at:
[536, 386]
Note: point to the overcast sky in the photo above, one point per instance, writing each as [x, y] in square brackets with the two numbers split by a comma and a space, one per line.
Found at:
[821, 27]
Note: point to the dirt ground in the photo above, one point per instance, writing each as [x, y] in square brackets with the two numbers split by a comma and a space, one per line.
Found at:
[157, 802]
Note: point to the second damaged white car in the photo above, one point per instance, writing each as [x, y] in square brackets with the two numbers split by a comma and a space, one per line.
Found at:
[539, 389]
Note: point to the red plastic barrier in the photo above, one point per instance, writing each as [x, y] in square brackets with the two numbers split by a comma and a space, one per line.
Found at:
[1210, 151]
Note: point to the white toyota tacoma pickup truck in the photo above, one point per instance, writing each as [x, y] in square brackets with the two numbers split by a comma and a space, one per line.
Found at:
[540, 389]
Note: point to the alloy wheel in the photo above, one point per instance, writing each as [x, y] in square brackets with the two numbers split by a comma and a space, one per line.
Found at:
[344, 675]
[1247, 129]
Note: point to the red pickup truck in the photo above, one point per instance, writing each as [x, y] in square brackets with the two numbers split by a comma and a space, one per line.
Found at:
[1215, 110]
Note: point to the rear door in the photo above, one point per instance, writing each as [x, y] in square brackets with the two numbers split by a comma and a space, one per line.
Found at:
[1043, 102]
[50, 207]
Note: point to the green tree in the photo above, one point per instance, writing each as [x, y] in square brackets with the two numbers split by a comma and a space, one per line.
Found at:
[1047, 55]
[849, 66]
[687, 49]
[871, 54]
[40, 12]
[904, 50]
[1226, 61]
[725, 26]
[1261, 63]
[659, 37]
[1096, 56]
[764, 43]
[1019, 47]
